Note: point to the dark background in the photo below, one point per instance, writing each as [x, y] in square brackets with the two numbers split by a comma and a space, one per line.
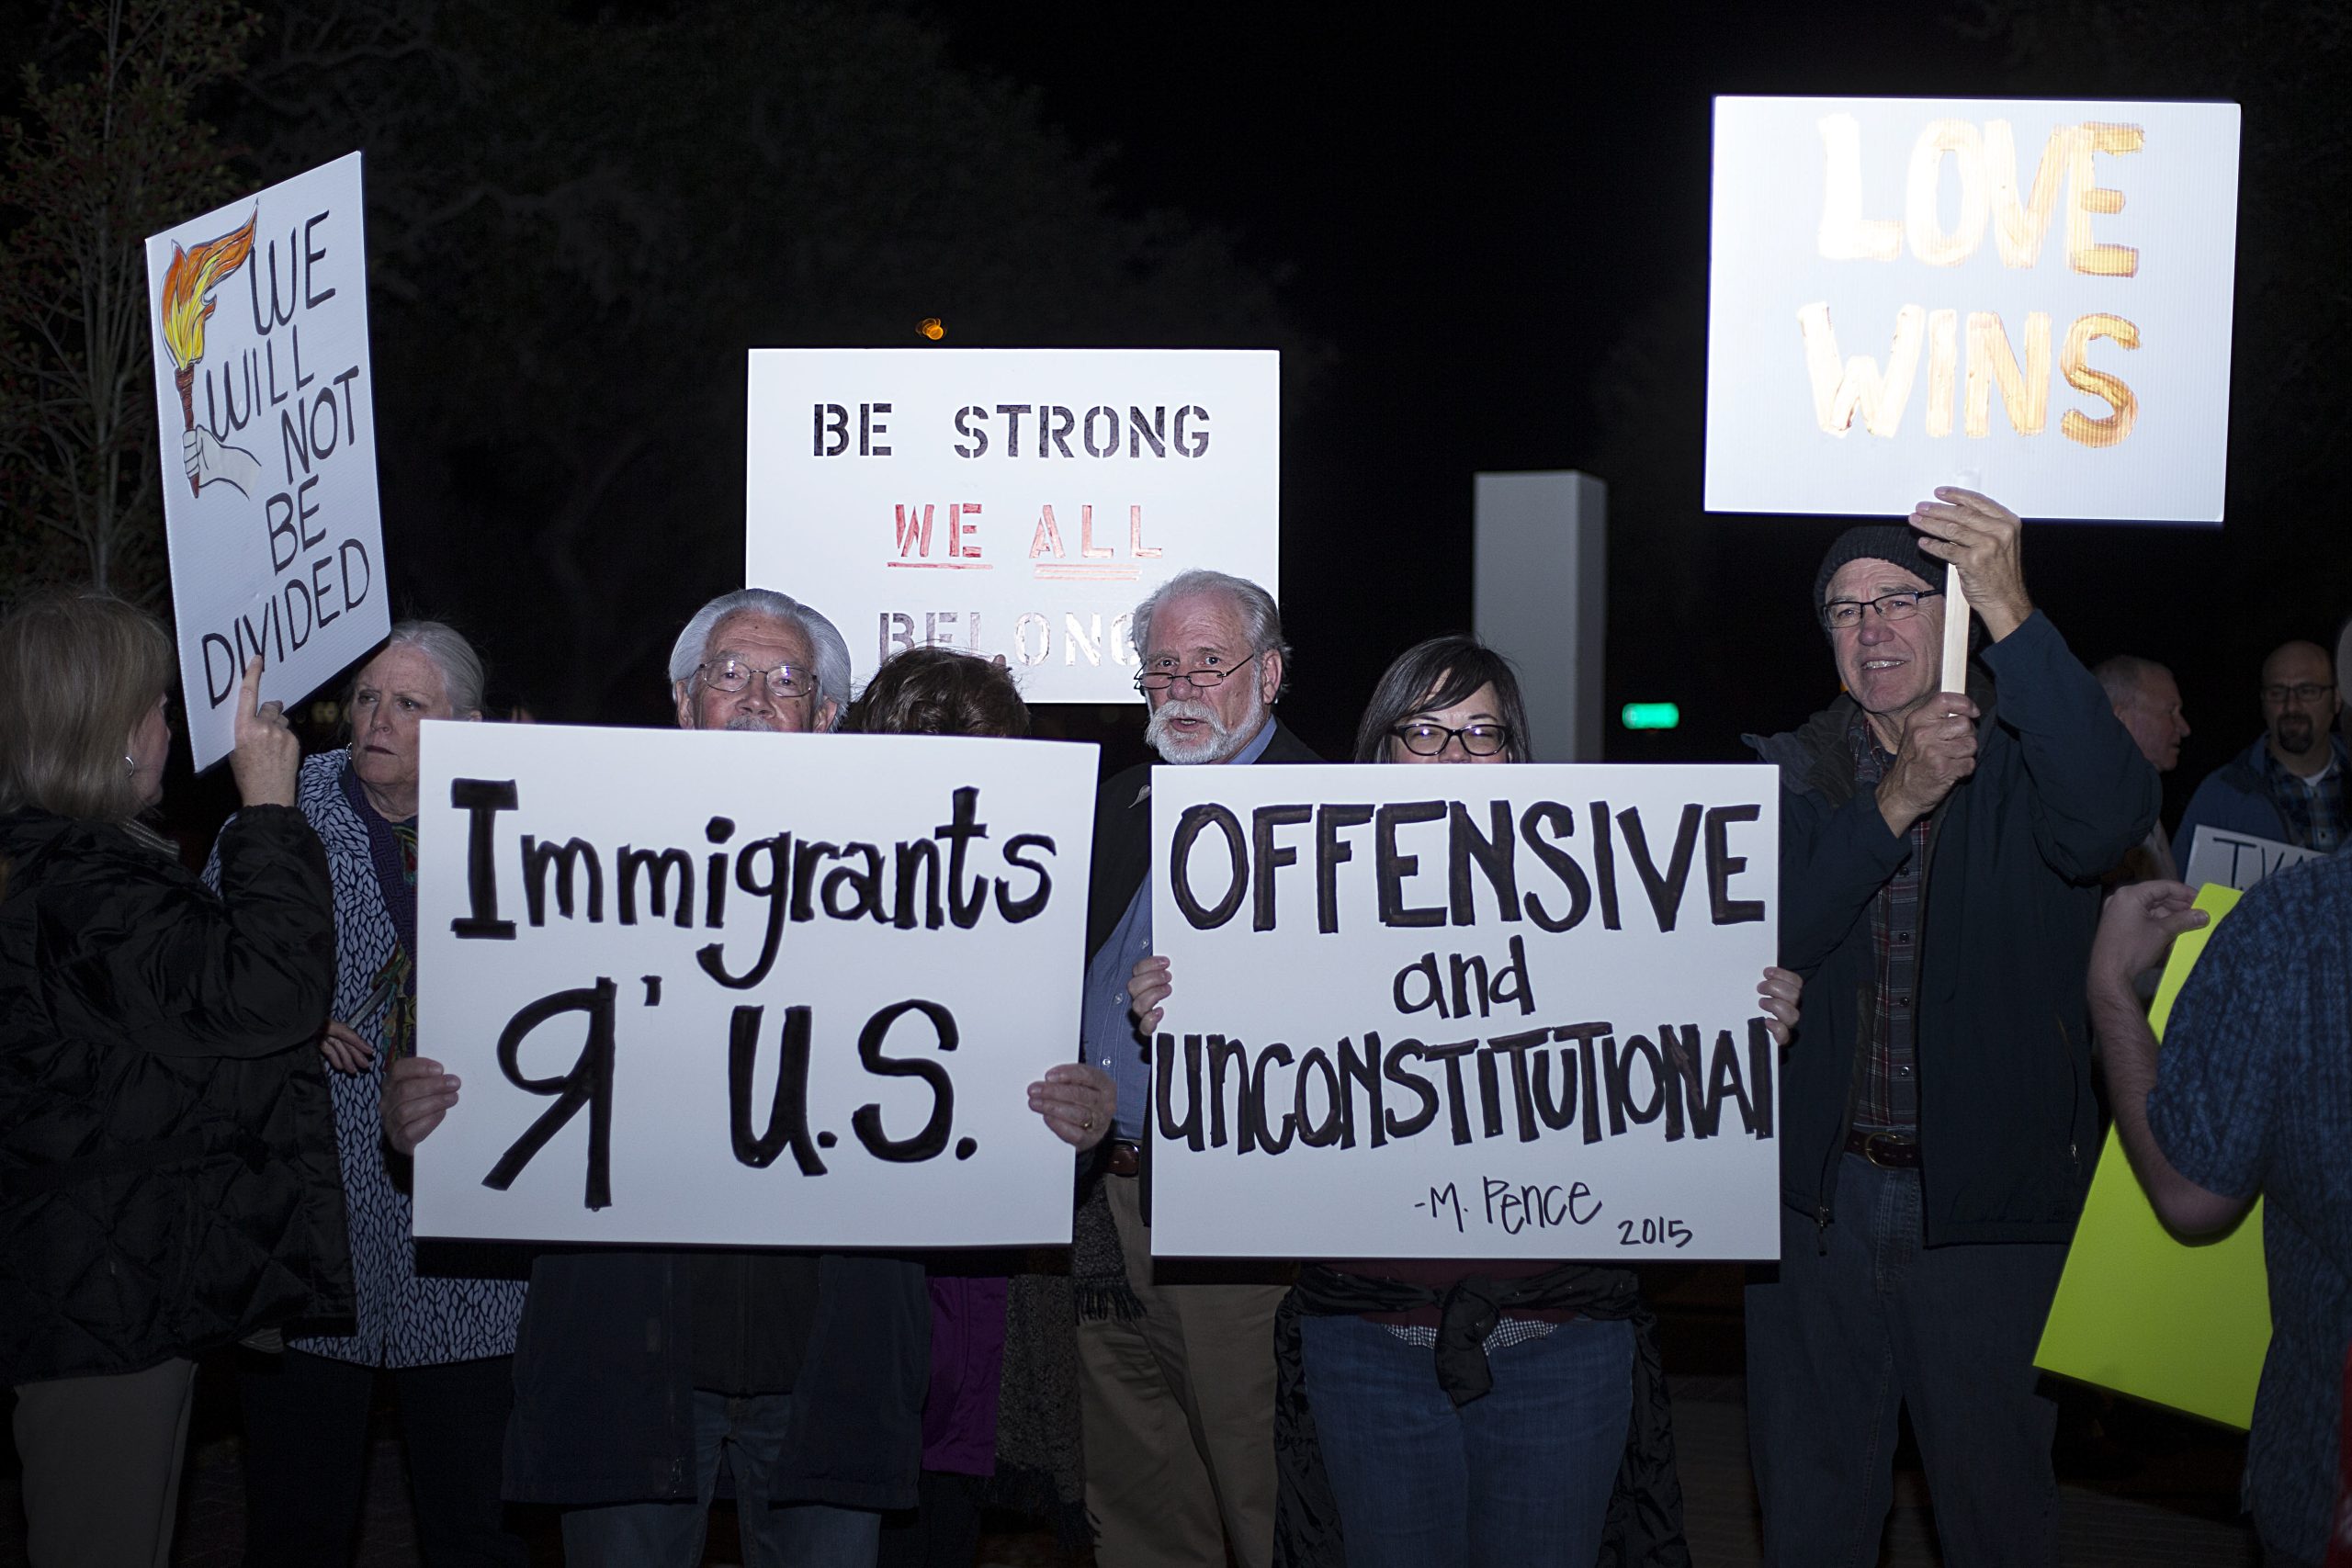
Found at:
[1481, 245]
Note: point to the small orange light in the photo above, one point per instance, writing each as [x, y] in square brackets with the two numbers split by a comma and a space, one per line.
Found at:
[931, 328]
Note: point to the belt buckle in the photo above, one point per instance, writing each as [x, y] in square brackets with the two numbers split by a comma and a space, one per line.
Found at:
[1901, 1153]
[1123, 1158]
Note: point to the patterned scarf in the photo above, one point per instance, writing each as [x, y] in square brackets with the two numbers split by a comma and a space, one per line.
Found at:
[393, 993]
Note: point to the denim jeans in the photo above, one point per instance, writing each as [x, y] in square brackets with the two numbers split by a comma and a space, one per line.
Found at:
[1521, 1476]
[749, 1431]
[1877, 1322]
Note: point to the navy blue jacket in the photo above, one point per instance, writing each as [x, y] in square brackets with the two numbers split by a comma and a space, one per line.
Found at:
[2009, 903]
[2236, 798]
[603, 1384]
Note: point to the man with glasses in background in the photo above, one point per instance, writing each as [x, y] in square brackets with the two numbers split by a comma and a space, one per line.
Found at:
[2288, 785]
[1939, 864]
[1177, 1377]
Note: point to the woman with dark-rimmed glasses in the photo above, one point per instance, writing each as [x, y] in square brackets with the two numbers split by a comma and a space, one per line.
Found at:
[1460, 1413]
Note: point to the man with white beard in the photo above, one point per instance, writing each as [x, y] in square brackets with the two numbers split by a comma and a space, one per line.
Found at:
[1177, 1378]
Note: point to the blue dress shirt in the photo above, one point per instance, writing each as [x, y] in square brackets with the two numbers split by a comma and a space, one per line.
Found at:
[1109, 1031]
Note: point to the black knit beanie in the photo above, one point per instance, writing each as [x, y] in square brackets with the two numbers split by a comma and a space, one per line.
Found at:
[1896, 542]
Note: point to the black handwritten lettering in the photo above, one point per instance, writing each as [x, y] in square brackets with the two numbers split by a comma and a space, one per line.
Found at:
[866, 1121]
[482, 800]
[589, 1082]
[787, 1105]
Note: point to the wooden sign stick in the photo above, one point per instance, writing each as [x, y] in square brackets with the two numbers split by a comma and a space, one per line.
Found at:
[1956, 606]
[1955, 632]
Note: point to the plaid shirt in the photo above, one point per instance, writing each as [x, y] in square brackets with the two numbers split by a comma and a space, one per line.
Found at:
[1889, 1102]
[2312, 809]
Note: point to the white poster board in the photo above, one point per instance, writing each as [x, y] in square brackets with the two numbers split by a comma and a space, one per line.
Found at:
[263, 399]
[2237, 860]
[1465, 1012]
[1018, 502]
[748, 989]
[2035, 294]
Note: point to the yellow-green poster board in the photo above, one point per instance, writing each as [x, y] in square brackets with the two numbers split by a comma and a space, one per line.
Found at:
[2141, 1312]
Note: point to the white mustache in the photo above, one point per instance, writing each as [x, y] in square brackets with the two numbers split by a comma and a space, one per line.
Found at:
[1156, 732]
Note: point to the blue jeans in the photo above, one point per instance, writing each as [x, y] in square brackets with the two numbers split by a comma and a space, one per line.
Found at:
[749, 1432]
[1518, 1477]
[1843, 1338]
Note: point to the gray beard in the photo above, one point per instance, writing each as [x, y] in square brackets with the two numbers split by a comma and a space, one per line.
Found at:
[1220, 742]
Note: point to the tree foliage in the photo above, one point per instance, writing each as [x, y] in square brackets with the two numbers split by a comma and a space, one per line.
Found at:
[580, 223]
[110, 151]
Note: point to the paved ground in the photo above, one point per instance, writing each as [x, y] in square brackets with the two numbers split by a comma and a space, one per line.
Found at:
[2141, 1487]
[2172, 1511]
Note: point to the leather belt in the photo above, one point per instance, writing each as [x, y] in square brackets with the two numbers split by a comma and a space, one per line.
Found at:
[1888, 1151]
[1121, 1156]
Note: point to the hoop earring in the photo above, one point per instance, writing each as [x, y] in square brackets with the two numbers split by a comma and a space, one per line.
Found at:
[129, 765]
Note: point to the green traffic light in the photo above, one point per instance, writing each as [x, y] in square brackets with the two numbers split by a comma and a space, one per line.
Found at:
[1651, 715]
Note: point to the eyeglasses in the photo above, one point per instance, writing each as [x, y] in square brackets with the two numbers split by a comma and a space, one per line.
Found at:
[785, 681]
[1426, 740]
[1840, 614]
[2302, 695]
[1200, 680]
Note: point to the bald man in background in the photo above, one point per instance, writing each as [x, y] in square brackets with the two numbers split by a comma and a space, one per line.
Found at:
[2147, 699]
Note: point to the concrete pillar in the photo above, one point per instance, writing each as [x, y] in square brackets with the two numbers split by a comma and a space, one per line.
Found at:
[1539, 591]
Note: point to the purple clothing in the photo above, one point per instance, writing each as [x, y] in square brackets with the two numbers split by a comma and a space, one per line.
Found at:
[966, 1369]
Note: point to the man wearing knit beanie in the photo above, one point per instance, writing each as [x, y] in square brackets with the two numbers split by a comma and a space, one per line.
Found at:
[1939, 862]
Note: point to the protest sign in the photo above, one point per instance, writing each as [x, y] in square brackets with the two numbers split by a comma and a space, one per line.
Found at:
[2182, 1322]
[2034, 296]
[1464, 1013]
[748, 989]
[2237, 860]
[259, 316]
[1013, 502]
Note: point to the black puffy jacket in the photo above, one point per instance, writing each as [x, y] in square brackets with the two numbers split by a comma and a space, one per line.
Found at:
[168, 1157]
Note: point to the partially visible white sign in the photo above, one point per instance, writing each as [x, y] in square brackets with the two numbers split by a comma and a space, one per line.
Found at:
[748, 989]
[1908, 290]
[1013, 502]
[2237, 860]
[262, 394]
[1465, 1012]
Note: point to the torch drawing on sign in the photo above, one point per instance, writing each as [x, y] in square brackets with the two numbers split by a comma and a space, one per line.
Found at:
[187, 303]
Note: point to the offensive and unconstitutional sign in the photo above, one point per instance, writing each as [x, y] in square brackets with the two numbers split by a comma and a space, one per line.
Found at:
[259, 315]
[748, 989]
[1018, 502]
[1465, 1012]
[1905, 290]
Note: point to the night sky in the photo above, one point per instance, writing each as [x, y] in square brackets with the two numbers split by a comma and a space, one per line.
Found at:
[1488, 242]
[1494, 229]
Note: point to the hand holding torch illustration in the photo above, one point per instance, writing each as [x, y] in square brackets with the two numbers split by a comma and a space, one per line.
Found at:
[187, 303]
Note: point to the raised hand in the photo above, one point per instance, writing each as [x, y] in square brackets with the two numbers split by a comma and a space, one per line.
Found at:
[1985, 541]
[267, 759]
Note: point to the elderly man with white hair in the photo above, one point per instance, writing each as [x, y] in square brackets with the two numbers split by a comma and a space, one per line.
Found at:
[637, 1371]
[1177, 1380]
